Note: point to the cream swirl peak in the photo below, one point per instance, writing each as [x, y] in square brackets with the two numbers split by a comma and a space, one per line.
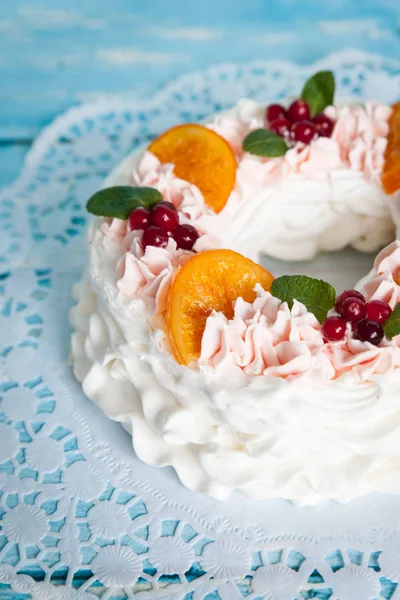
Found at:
[384, 285]
[146, 273]
[264, 338]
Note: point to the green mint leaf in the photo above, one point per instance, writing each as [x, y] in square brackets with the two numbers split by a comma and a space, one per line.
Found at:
[119, 201]
[262, 142]
[316, 295]
[319, 91]
[391, 326]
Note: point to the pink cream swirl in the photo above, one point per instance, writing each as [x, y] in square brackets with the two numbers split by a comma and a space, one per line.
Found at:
[265, 338]
[384, 281]
[362, 360]
[360, 134]
[358, 143]
[147, 274]
[185, 196]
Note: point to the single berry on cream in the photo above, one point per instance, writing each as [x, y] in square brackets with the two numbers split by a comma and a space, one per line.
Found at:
[155, 236]
[281, 127]
[378, 311]
[140, 218]
[333, 329]
[275, 111]
[185, 236]
[299, 111]
[324, 125]
[347, 294]
[353, 309]
[166, 204]
[304, 131]
[369, 331]
[165, 216]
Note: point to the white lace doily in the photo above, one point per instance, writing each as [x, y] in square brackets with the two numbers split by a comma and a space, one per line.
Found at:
[77, 508]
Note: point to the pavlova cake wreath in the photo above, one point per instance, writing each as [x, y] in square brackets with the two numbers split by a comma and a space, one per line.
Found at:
[277, 387]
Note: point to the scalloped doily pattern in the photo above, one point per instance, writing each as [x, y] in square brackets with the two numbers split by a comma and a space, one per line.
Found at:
[80, 516]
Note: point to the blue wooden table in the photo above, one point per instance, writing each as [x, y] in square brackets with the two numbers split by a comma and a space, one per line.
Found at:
[57, 53]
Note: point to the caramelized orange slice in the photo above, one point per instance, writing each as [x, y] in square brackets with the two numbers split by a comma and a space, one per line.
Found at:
[201, 157]
[391, 168]
[209, 281]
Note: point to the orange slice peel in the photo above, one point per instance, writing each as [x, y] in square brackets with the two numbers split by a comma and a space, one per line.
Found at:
[201, 157]
[391, 168]
[211, 280]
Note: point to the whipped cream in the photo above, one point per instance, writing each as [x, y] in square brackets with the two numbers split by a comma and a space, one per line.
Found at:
[269, 409]
[306, 422]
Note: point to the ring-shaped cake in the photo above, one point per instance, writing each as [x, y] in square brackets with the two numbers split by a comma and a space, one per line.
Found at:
[236, 380]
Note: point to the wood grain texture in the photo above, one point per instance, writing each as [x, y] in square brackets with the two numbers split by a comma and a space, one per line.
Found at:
[57, 53]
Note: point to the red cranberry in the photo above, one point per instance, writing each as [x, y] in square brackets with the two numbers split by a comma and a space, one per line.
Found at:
[165, 215]
[304, 131]
[165, 203]
[299, 111]
[275, 111]
[155, 236]
[347, 294]
[140, 218]
[324, 125]
[185, 236]
[378, 311]
[353, 309]
[281, 127]
[369, 331]
[333, 329]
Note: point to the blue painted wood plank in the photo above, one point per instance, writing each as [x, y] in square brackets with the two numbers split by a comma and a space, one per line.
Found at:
[11, 161]
[55, 54]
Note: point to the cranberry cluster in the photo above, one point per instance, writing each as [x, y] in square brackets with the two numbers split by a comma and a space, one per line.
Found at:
[295, 124]
[161, 223]
[366, 318]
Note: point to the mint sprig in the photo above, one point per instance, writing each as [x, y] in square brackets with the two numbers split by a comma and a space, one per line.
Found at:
[263, 142]
[317, 296]
[119, 201]
[391, 326]
[319, 91]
